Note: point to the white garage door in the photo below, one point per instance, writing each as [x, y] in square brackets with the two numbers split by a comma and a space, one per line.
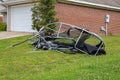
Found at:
[21, 18]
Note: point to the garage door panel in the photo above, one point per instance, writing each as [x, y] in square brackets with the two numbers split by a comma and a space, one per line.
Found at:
[21, 18]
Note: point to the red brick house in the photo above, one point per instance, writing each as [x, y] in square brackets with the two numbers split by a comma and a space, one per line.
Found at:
[89, 14]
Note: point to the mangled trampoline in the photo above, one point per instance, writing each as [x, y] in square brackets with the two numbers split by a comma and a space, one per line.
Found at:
[68, 38]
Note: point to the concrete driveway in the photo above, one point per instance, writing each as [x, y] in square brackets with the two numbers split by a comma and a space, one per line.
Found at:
[4, 35]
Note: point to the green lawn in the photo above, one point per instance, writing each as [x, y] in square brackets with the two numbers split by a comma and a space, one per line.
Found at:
[23, 63]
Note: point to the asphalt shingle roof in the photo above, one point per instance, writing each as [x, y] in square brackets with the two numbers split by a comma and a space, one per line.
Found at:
[114, 3]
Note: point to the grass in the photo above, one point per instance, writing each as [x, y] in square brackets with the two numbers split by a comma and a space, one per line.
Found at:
[23, 63]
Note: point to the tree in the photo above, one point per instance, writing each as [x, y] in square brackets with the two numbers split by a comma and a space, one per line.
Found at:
[43, 14]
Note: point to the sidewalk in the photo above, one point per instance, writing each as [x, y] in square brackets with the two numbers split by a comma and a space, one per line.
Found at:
[4, 35]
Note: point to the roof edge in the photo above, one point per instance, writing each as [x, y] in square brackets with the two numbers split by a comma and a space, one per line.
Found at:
[89, 4]
[16, 2]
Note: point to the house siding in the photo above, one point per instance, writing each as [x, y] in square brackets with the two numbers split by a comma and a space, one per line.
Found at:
[88, 18]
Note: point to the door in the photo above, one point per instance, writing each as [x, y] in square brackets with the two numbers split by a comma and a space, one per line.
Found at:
[21, 18]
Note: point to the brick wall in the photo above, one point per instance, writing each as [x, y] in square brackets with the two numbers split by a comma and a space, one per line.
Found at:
[1, 19]
[88, 18]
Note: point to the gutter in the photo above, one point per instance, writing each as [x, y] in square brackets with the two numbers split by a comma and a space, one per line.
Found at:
[3, 10]
[89, 4]
[15, 2]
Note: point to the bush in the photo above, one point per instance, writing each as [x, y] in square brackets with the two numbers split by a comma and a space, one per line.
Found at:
[3, 26]
[43, 14]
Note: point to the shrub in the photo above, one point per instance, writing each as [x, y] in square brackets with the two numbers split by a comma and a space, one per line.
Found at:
[43, 14]
[3, 26]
